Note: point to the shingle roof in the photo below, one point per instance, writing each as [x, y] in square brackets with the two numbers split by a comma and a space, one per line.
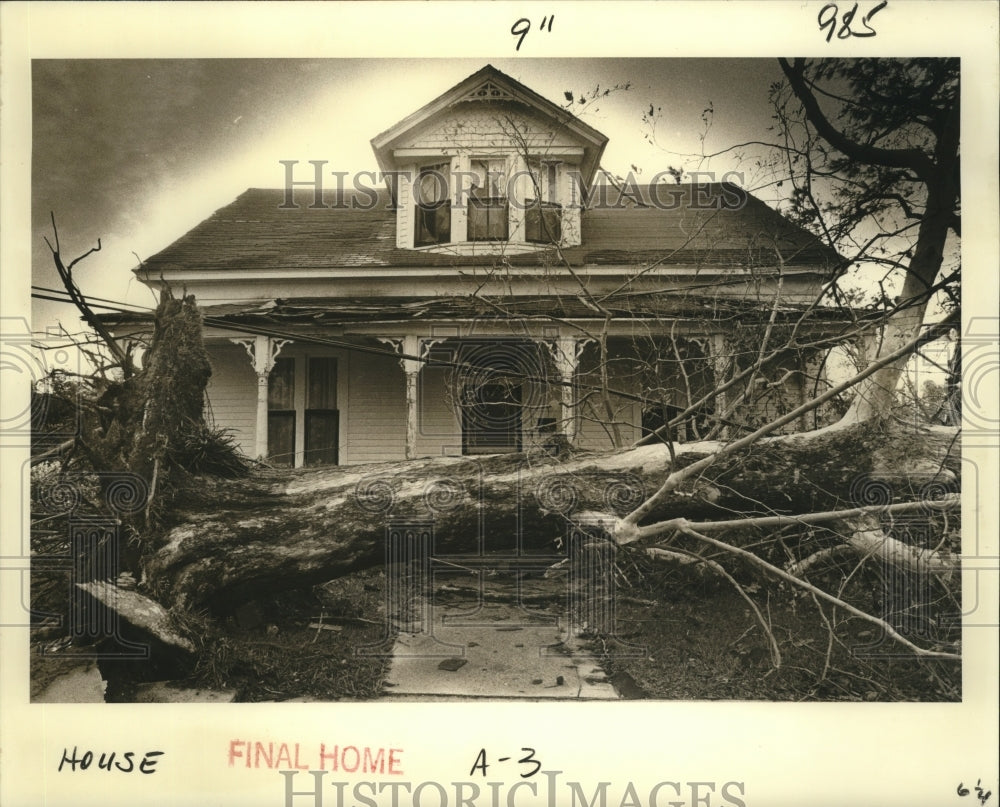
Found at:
[712, 225]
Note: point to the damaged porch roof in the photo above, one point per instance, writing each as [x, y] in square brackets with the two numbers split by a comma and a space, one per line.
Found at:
[314, 314]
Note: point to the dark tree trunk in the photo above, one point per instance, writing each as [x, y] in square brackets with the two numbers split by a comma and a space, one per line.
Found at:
[235, 541]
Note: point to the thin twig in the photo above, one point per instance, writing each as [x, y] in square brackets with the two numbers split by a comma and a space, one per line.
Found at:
[715, 567]
[796, 581]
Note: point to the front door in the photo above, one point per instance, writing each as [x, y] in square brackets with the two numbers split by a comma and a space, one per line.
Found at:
[491, 416]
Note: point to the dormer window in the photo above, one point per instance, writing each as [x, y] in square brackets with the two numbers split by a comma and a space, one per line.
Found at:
[488, 205]
[433, 197]
[456, 170]
[543, 212]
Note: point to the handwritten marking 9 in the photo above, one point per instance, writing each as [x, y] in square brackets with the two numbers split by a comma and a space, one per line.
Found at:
[521, 27]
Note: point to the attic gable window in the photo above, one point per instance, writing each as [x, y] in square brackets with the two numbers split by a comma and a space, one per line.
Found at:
[543, 213]
[433, 220]
[488, 208]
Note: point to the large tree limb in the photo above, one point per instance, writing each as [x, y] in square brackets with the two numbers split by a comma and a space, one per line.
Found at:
[914, 159]
[659, 528]
[236, 540]
[625, 528]
[869, 539]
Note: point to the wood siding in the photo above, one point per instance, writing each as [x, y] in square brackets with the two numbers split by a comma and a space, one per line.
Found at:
[439, 432]
[232, 394]
[376, 427]
[488, 127]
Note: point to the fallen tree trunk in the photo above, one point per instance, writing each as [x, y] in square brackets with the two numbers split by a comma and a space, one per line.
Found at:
[236, 541]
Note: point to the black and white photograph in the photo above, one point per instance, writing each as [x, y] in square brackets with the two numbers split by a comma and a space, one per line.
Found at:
[377, 387]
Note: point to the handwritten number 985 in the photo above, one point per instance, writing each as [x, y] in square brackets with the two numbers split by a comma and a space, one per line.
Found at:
[830, 13]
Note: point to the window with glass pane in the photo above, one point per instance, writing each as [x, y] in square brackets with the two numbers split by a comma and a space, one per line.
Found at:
[488, 200]
[543, 216]
[544, 181]
[433, 190]
[281, 412]
[322, 383]
[322, 432]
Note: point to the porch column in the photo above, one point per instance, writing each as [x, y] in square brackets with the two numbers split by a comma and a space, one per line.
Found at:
[411, 368]
[721, 368]
[413, 350]
[566, 352]
[263, 350]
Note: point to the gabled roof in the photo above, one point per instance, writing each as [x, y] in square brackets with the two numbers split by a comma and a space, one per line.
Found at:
[707, 225]
[490, 85]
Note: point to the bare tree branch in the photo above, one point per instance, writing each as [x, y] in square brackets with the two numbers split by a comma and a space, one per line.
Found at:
[914, 159]
[66, 275]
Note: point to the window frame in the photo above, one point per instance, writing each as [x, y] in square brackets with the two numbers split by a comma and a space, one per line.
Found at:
[432, 220]
[494, 204]
[282, 415]
[542, 209]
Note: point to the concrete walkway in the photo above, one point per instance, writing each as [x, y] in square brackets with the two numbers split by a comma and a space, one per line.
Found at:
[80, 685]
[494, 650]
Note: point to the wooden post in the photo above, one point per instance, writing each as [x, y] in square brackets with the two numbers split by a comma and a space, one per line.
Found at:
[409, 345]
[260, 444]
[566, 351]
[262, 351]
[721, 368]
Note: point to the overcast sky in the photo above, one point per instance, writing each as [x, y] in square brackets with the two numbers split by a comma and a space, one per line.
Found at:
[137, 152]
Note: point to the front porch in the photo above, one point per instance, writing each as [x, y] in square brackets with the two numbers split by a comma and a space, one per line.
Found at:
[363, 399]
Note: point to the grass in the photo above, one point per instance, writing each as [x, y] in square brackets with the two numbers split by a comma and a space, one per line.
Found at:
[269, 652]
[677, 636]
[700, 641]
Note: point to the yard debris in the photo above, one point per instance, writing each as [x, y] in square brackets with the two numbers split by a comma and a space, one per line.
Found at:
[249, 616]
[173, 692]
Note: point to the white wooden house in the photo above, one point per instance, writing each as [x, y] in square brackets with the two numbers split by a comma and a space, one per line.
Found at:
[480, 294]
